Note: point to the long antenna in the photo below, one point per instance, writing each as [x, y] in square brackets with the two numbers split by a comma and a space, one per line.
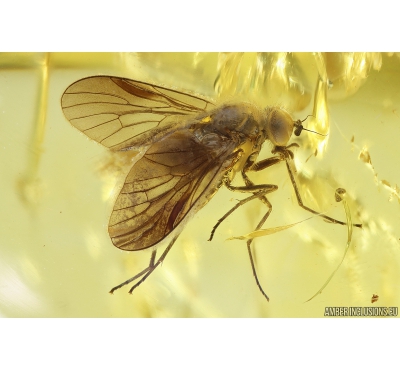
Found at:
[310, 115]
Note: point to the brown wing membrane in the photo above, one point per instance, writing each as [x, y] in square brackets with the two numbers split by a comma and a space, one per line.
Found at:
[176, 176]
[120, 113]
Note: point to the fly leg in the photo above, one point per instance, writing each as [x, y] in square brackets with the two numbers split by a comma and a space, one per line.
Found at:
[259, 192]
[257, 195]
[148, 270]
[287, 156]
[238, 204]
[248, 167]
[260, 224]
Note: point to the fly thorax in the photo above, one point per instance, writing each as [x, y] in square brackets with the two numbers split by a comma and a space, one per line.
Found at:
[242, 118]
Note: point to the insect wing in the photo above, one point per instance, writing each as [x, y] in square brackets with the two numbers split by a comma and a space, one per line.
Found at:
[120, 113]
[175, 177]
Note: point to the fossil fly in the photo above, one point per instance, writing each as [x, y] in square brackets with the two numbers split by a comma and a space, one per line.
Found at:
[188, 148]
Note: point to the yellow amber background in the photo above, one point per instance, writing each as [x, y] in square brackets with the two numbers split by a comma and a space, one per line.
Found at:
[57, 190]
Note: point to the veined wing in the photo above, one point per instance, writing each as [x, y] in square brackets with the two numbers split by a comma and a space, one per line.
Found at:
[175, 177]
[120, 113]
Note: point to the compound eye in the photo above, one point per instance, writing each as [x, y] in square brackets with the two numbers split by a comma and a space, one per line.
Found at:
[279, 127]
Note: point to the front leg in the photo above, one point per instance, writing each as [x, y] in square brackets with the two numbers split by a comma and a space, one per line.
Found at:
[287, 155]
